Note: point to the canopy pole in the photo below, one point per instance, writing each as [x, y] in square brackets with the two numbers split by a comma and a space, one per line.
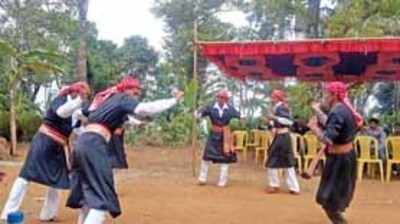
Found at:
[194, 119]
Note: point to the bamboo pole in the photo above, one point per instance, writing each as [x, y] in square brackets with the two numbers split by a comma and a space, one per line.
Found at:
[194, 120]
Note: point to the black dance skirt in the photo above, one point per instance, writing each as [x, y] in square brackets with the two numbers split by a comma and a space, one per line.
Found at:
[281, 154]
[338, 181]
[46, 163]
[92, 180]
[117, 153]
[214, 150]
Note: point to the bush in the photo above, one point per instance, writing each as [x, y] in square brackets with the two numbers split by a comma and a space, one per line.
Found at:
[391, 121]
[177, 132]
[237, 124]
[28, 123]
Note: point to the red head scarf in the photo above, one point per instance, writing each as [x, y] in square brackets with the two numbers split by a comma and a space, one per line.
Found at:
[223, 94]
[78, 87]
[127, 83]
[279, 95]
[339, 90]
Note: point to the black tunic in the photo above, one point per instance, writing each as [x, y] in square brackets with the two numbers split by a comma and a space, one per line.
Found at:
[214, 149]
[281, 153]
[338, 179]
[46, 163]
[92, 176]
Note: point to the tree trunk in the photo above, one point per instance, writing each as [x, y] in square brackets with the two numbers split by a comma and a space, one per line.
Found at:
[81, 61]
[13, 123]
[314, 18]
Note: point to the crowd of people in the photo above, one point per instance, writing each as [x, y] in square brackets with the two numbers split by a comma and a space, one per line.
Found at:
[85, 167]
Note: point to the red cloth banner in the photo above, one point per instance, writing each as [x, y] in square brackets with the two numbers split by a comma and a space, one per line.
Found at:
[346, 60]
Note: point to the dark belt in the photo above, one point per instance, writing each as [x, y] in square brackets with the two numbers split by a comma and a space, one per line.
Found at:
[341, 149]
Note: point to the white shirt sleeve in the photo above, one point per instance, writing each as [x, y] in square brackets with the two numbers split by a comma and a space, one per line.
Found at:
[155, 107]
[133, 121]
[283, 120]
[75, 116]
[68, 108]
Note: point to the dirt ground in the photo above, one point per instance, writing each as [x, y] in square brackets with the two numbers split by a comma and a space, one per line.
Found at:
[159, 188]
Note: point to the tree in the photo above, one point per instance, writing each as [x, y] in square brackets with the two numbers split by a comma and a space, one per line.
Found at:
[137, 57]
[179, 16]
[313, 24]
[44, 24]
[276, 19]
[107, 62]
[19, 65]
[102, 63]
[26, 26]
[369, 18]
[81, 60]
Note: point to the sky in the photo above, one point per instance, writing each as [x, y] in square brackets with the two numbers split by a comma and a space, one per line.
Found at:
[123, 18]
[118, 19]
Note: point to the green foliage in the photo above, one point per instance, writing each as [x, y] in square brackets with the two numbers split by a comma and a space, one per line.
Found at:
[190, 93]
[177, 131]
[28, 25]
[391, 120]
[102, 69]
[137, 56]
[369, 18]
[272, 19]
[28, 124]
[179, 17]
[365, 18]
[301, 96]
[107, 61]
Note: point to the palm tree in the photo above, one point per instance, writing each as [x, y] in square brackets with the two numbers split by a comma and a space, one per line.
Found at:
[17, 66]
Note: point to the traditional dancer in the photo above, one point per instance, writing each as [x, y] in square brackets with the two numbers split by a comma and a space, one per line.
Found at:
[93, 189]
[338, 179]
[280, 155]
[218, 148]
[47, 159]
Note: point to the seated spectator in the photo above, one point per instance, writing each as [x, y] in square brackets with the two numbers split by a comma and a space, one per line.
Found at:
[374, 130]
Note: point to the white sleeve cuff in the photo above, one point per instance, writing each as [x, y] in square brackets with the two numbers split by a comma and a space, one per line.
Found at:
[133, 121]
[155, 107]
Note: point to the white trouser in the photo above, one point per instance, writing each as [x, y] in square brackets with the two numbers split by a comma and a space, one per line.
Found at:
[223, 175]
[92, 216]
[83, 212]
[17, 193]
[291, 179]
[50, 207]
[15, 197]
